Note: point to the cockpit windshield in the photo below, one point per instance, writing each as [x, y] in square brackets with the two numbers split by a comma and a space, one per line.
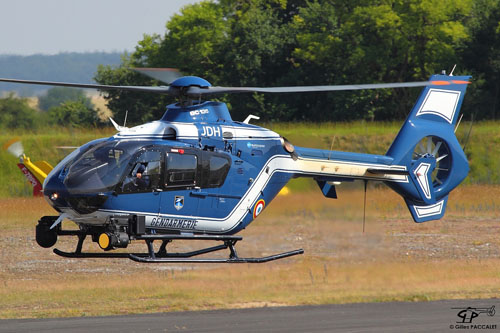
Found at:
[101, 167]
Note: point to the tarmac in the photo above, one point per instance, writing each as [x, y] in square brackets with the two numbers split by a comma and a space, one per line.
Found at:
[435, 316]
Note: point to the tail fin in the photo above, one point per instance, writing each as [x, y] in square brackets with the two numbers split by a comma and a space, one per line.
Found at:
[35, 173]
[427, 146]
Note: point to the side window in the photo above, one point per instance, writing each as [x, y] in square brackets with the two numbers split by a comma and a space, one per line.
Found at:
[180, 170]
[145, 175]
[215, 169]
[219, 167]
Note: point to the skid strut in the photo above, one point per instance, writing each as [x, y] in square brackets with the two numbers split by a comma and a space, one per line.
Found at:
[162, 256]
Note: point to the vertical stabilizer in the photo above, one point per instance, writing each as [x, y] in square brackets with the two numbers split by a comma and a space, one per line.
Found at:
[427, 145]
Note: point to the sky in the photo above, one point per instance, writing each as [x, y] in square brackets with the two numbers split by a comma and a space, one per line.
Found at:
[52, 26]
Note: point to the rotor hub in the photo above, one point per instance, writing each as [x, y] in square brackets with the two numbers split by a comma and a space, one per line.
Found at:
[189, 81]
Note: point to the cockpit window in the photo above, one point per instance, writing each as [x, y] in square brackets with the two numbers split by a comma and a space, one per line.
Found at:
[145, 174]
[100, 167]
[61, 168]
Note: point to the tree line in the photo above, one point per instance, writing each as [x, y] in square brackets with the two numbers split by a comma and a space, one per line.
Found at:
[59, 106]
[318, 42]
[312, 42]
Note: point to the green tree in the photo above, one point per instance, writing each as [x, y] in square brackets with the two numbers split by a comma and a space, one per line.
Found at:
[59, 95]
[481, 57]
[139, 107]
[73, 114]
[16, 113]
[189, 44]
[378, 41]
[193, 40]
[293, 42]
[255, 54]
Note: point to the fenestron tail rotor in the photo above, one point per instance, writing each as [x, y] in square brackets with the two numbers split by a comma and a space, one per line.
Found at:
[433, 146]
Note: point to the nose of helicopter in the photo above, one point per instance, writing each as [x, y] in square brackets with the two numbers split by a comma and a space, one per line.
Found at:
[55, 192]
[59, 197]
[84, 180]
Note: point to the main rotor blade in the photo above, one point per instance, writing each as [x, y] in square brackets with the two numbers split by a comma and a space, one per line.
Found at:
[196, 91]
[159, 90]
[166, 75]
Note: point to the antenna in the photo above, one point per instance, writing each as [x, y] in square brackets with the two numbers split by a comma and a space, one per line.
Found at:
[331, 147]
[458, 124]
[453, 69]
[468, 133]
[364, 206]
[125, 121]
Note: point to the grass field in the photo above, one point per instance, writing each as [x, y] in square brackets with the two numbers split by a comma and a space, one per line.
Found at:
[483, 147]
[395, 259]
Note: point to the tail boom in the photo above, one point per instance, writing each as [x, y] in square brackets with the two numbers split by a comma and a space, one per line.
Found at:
[424, 163]
[331, 165]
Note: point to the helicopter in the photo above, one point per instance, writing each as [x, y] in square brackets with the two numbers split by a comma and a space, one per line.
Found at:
[196, 174]
[34, 171]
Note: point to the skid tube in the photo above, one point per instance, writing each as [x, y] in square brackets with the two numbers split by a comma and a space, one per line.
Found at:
[229, 242]
[162, 256]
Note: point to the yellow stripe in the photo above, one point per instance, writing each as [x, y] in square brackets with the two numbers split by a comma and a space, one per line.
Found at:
[36, 171]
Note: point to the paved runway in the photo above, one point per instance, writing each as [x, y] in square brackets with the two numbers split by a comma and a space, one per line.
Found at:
[439, 316]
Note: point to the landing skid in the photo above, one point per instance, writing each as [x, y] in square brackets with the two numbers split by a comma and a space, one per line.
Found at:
[162, 256]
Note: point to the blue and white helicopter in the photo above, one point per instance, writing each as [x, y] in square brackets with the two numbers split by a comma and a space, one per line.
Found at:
[196, 174]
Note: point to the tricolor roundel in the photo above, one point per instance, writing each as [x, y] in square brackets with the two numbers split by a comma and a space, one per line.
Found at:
[258, 208]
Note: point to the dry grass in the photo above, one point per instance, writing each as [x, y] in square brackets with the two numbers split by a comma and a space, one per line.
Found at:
[100, 104]
[396, 259]
[20, 213]
[33, 102]
[305, 281]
